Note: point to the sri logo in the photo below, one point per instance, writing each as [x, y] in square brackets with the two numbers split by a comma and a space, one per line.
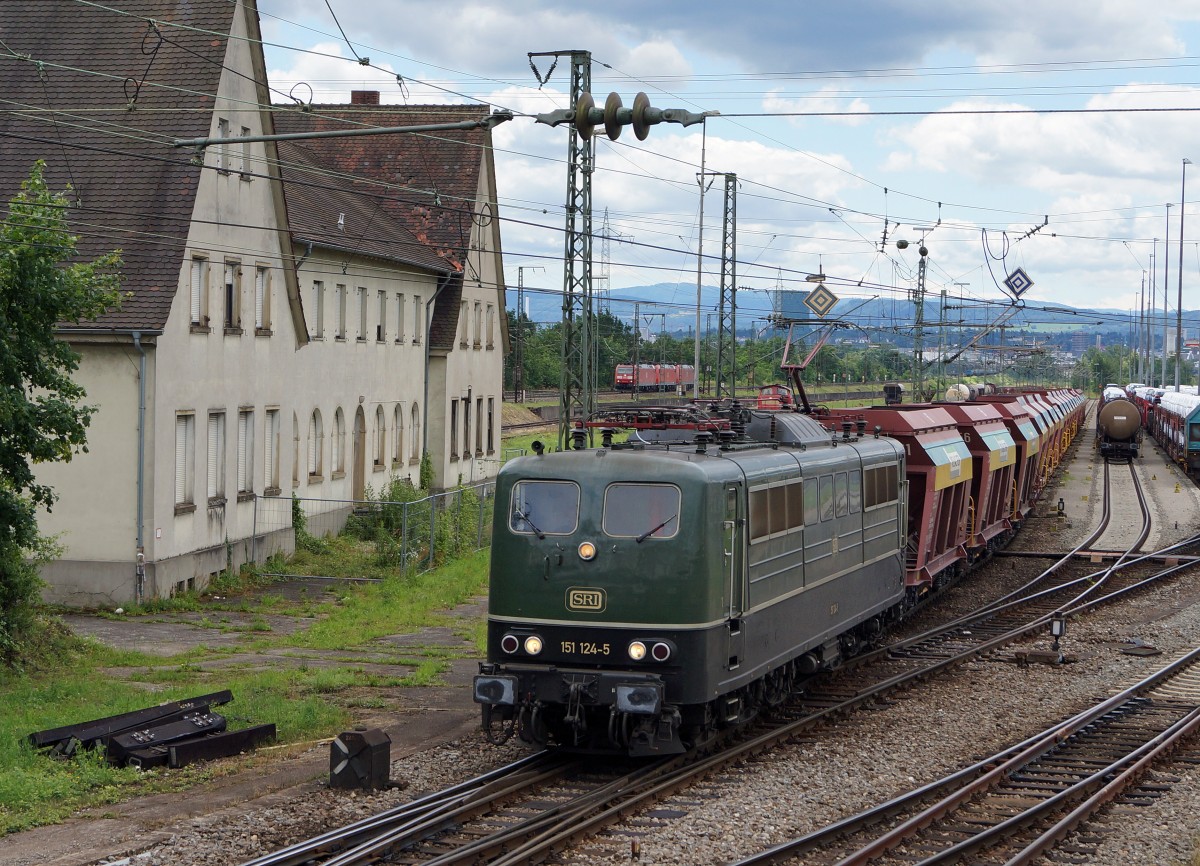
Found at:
[586, 598]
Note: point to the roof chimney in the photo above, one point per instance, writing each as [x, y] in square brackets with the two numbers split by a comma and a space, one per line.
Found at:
[364, 97]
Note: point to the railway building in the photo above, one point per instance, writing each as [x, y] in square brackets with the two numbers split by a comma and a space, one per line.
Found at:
[284, 330]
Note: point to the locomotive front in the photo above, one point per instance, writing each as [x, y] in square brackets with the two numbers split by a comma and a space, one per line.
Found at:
[605, 602]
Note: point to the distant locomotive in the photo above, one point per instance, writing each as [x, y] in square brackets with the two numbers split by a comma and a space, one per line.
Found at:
[654, 377]
[643, 595]
[1118, 425]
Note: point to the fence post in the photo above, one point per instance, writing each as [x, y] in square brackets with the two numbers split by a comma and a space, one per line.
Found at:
[432, 527]
[254, 534]
[404, 538]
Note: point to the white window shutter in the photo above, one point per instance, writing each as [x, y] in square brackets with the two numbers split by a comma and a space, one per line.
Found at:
[181, 425]
[312, 446]
[269, 450]
[243, 481]
[260, 290]
[213, 453]
[197, 285]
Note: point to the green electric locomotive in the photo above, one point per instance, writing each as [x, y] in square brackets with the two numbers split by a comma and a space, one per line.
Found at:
[645, 594]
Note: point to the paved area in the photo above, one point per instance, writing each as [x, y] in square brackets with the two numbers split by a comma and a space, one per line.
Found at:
[1080, 487]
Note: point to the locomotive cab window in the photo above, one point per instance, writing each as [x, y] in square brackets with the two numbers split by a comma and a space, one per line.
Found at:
[544, 508]
[641, 511]
[1194, 433]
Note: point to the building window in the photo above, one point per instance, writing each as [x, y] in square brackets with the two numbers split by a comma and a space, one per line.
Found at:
[339, 442]
[466, 440]
[222, 149]
[233, 312]
[381, 328]
[245, 168]
[362, 314]
[340, 297]
[271, 455]
[199, 291]
[380, 438]
[464, 326]
[185, 461]
[262, 299]
[216, 458]
[479, 427]
[398, 443]
[418, 320]
[399, 318]
[478, 341]
[491, 326]
[295, 450]
[245, 453]
[415, 435]
[491, 433]
[316, 443]
[453, 429]
[318, 321]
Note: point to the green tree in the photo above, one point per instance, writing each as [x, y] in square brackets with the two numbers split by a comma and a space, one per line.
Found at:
[42, 418]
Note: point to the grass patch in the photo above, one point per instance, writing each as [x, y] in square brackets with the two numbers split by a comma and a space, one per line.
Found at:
[69, 680]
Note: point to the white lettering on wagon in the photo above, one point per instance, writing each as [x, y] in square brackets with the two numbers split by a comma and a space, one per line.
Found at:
[955, 461]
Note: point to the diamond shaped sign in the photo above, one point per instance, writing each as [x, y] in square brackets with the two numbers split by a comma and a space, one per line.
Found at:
[820, 300]
[1018, 282]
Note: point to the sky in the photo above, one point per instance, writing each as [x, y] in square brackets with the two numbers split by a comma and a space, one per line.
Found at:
[837, 119]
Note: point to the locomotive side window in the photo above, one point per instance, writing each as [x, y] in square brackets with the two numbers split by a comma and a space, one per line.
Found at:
[881, 485]
[641, 511]
[841, 494]
[759, 510]
[812, 511]
[826, 497]
[544, 508]
[855, 492]
[779, 512]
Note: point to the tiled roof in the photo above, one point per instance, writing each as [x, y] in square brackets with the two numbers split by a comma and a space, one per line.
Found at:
[322, 210]
[432, 177]
[99, 95]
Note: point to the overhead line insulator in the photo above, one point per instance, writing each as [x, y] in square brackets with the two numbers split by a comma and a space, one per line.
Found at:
[614, 116]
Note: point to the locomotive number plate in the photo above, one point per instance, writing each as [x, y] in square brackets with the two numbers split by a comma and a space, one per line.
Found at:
[586, 598]
[584, 647]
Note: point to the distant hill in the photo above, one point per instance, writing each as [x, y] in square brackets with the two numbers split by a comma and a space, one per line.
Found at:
[672, 307]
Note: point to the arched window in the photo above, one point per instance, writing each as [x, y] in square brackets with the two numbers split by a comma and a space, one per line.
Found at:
[316, 443]
[339, 441]
[380, 437]
[398, 444]
[414, 430]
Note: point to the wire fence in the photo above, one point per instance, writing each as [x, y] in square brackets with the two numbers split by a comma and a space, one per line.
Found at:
[411, 535]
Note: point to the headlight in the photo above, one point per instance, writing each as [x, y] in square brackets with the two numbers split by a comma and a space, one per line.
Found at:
[660, 652]
[510, 644]
[533, 644]
[637, 650]
[587, 551]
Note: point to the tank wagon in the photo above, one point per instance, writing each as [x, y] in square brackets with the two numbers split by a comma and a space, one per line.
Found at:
[1118, 425]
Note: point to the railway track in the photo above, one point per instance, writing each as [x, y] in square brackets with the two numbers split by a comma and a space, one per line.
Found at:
[1013, 806]
[530, 812]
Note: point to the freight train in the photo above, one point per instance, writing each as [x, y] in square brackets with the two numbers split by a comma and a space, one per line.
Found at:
[655, 377]
[646, 594]
[1173, 419]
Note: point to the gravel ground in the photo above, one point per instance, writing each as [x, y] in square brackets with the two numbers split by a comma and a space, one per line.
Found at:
[854, 764]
